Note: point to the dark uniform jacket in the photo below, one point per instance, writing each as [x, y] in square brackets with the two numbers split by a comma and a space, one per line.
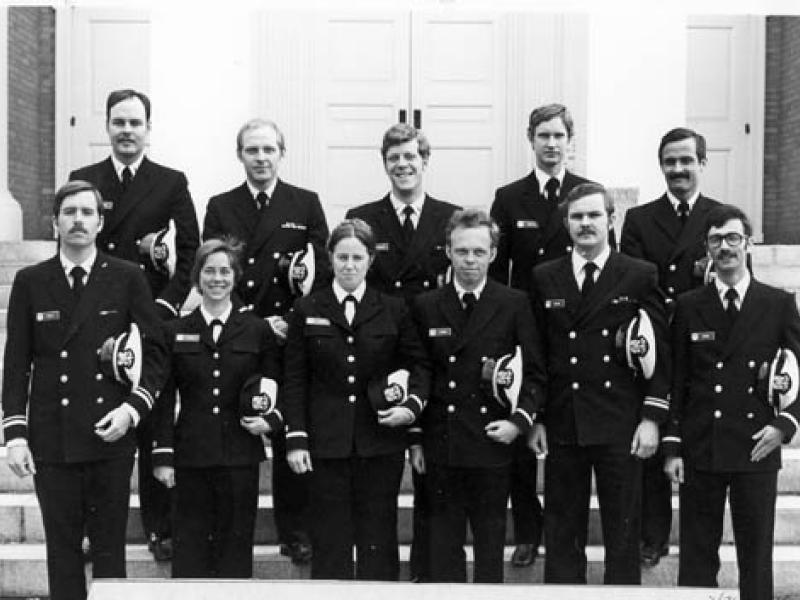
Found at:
[718, 394]
[156, 195]
[460, 404]
[53, 388]
[209, 376]
[653, 232]
[293, 218]
[531, 229]
[402, 268]
[592, 396]
[329, 364]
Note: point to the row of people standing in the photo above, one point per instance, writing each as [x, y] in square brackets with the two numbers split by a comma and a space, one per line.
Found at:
[272, 217]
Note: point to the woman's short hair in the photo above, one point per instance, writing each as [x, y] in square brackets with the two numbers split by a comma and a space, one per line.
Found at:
[355, 228]
[227, 245]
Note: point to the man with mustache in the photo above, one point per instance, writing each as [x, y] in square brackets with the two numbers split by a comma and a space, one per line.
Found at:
[67, 421]
[273, 219]
[531, 232]
[410, 258]
[669, 233]
[600, 414]
[141, 197]
[725, 429]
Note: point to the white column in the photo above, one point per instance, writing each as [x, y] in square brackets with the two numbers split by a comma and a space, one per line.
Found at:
[10, 211]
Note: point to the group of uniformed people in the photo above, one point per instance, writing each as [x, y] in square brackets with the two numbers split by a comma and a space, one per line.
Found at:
[472, 342]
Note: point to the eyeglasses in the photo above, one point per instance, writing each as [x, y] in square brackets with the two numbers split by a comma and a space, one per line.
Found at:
[733, 239]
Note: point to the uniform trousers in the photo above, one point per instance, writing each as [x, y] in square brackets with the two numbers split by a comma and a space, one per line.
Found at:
[354, 503]
[526, 508]
[290, 494]
[568, 488]
[457, 495]
[420, 544]
[656, 503]
[752, 499]
[77, 497]
[155, 499]
[214, 521]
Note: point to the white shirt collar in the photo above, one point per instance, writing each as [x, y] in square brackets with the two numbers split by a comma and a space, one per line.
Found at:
[543, 177]
[741, 289]
[399, 206]
[578, 262]
[342, 293]
[68, 265]
[674, 201]
[270, 191]
[477, 291]
[208, 317]
[134, 166]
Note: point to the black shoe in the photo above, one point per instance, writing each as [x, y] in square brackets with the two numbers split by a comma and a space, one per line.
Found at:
[651, 555]
[524, 555]
[160, 547]
[300, 553]
[284, 550]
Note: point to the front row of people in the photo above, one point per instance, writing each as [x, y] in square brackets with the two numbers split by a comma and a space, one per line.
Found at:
[360, 367]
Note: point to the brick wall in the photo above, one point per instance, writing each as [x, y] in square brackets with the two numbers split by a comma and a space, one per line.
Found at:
[782, 132]
[31, 115]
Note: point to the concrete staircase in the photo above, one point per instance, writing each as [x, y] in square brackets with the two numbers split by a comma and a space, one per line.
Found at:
[22, 552]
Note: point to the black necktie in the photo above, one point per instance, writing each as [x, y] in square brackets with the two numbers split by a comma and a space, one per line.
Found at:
[349, 305]
[588, 279]
[408, 224]
[551, 190]
[731, 309]
[127, 176]
[683, 211]
[262, 200]
[216, 329]
[77, 273]
[469, 300]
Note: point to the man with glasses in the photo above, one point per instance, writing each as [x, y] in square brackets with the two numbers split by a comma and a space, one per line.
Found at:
[724, 433]
[669, 233]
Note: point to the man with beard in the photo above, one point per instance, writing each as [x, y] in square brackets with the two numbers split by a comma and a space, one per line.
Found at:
[141, 197]
[410, 258]
[669, 233]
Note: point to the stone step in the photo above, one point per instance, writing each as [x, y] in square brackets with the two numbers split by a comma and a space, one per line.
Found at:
[21, 521]
[23, 570]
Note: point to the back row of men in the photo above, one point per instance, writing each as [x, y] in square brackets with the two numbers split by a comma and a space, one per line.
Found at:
[596, 415]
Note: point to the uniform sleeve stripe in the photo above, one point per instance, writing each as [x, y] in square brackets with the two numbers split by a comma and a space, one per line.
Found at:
[163, 451]
[671, 438]
[294, 434]
[656, 402]
[526, 415]
[415, 429]
[15, 420]
[790, 417]
[144, 395]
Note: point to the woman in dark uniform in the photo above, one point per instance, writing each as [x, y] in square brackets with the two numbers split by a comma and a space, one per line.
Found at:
[209, 452]
[344, 339]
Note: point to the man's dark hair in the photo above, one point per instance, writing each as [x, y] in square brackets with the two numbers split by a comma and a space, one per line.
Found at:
[586, 189]
[547, 112]
[682, 133]
[719, 215]
[118, 96]
[74, 187]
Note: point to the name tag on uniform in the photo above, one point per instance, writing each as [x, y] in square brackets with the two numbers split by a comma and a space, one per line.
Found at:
[318, 321]
[435, 332]
[620, 300]
[108, 205]
[522, 224]
[187, 337]
[291, 225]
[104, 313]
[382, 247]
[703, 336]
[555, 303]
[48, 315]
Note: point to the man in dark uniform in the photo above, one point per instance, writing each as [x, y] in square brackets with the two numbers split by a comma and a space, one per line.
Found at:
[410, 258]
[467, 432]
[724, 433]
[669, 233]
[273, 219]
[141, 197]
[66, 422]
[531, 232]
[600, 414]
